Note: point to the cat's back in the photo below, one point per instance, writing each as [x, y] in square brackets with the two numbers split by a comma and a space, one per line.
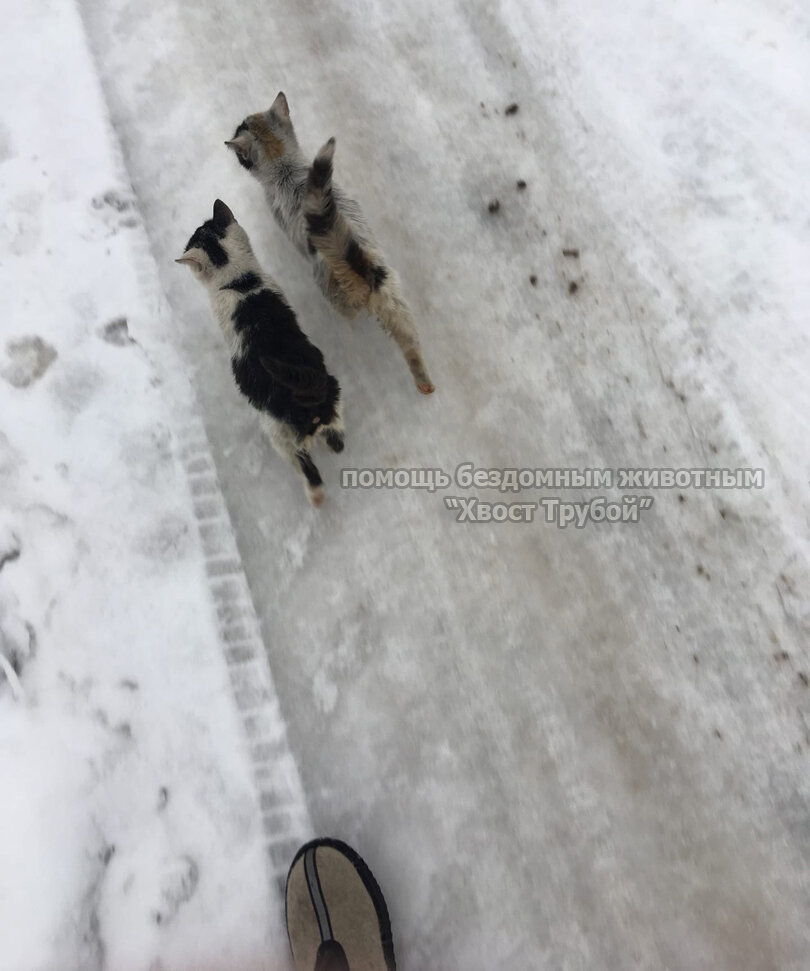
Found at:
[286, 196]
[267, 325]
[350, 209]
[259, 310]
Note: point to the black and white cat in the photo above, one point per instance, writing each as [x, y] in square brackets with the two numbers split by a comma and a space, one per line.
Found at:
[276, 367]
[327, 227]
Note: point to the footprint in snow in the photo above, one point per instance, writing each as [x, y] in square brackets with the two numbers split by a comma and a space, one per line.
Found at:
[117, 332]
[28, 359]
[115, 209]
[177, 885]
[18, 638]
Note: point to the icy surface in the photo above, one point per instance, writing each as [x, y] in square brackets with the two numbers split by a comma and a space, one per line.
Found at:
[558, 749]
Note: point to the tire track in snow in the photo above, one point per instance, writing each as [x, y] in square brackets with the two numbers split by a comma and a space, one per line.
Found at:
[281, 797]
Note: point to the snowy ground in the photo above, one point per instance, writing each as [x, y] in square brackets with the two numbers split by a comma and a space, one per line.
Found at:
[133, 833]
[557, 748]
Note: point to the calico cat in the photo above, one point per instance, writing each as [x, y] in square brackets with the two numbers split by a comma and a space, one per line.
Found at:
[275, 366]
[327, 227]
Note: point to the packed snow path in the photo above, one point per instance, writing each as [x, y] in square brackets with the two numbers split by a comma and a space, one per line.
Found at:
[558, 748]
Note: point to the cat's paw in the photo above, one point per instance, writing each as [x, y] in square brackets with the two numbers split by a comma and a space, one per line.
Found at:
[420, 375]
[334, 441]
[316, 496]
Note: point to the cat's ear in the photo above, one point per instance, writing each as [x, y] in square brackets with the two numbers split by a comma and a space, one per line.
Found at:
[280, 106]
[191, 259]
[222, 214]
[240, 144]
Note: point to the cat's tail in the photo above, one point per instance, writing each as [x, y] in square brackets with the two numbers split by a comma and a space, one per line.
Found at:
[353, 268]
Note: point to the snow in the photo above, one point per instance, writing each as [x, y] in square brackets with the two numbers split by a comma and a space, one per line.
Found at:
[701, 109]
[131, 831]
[556, 748]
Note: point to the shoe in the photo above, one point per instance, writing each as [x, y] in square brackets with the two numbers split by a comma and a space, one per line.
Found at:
[337, 919]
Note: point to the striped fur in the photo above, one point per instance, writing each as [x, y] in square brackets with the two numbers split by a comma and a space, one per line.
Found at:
[327, 227]
[353, 270]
